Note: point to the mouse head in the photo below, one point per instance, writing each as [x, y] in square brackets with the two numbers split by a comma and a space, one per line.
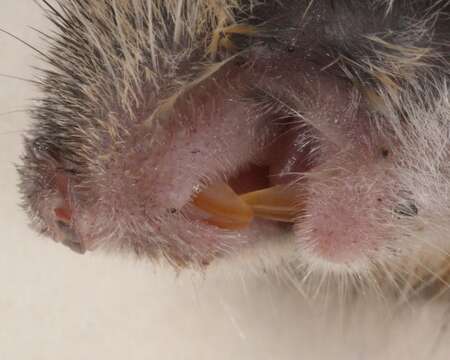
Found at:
[193, 133]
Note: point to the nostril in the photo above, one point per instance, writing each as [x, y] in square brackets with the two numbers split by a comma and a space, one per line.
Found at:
[62, 225]
[63, 215]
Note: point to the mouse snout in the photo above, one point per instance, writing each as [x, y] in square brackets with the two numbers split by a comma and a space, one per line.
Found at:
[67, 236]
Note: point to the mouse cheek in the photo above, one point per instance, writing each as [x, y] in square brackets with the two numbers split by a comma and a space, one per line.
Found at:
[347, 221]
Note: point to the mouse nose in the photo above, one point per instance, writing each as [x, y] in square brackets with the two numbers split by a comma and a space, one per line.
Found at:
[69, 238]
[66, 234]
[76, 246]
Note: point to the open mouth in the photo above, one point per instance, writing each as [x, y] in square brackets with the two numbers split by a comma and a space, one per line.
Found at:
[315, 174]
[268, 194]
[272, 190]
[230, 210]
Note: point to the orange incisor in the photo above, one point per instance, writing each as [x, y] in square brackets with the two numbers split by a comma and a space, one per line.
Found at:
[229, 210]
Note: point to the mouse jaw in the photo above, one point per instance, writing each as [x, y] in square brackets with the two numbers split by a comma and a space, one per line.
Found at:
[211, 174]
[333, 108]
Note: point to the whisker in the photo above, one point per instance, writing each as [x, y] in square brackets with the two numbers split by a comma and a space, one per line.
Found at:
[319, 286]
[292, 279]
[404, 275]
[27, 44]
[18, 111]
[19, 78]
[438, 294]
[433, 277]
[389, 276]
[435, 247]
[49, 6]
[434, 274]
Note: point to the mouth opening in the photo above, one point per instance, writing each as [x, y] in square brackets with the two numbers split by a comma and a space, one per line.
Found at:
[272, 188]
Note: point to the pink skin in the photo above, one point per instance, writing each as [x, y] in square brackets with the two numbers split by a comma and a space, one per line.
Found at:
[345, 207]
[214, 133]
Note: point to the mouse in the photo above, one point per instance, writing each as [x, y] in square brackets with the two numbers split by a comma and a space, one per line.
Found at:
[298, 134]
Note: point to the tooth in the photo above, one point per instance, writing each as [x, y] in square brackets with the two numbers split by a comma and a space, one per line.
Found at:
[228, 210]
[277, 203]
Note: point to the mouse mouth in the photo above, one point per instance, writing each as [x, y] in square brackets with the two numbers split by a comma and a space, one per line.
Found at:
[304, 165]
[239, 159]
[230, 210]
[272, 188]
